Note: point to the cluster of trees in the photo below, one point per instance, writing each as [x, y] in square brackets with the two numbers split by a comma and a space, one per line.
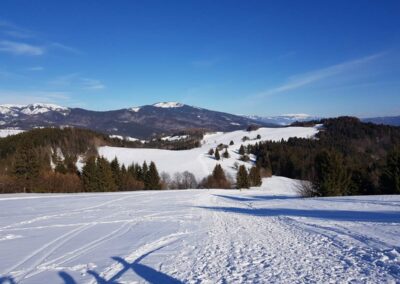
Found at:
[347, 157]
[100, 175]
[44, 160]
[245, 179]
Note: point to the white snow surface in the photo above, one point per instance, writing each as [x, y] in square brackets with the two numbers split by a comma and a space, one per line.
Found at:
[127, 138]
[168, 104]
[135, 109]
[197, 160]
[9, 132]
[174, 138]
[30, 109]
[265, 235]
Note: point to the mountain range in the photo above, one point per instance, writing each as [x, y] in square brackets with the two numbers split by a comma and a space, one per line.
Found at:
[283, 120]
[163, 118]
[147, 121]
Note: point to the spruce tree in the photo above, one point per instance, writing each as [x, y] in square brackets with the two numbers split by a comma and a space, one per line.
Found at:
[116, 172]
[226, 154]
[231, 143]
[152, 178]
[138, 172]
[217, 179]
[106, 180]
[242, 178]
[211, 152]
[390, 178]
[254, 177]
[216, 155]
[26, 166]
[331, 177]
[241, 150]
[144, 170]
[218, 173]
[89, 175]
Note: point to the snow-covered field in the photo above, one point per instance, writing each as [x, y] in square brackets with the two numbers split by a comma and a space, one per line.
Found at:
[197, 160]
[9, 132]
[263, 235]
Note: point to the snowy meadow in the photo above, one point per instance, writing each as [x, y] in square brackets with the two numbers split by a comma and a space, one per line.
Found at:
[200, 236]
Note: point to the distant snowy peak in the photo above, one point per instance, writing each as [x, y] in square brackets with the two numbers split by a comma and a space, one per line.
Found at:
[297, 116]
[168, 105]
[30, 109]
[33, 109]
[134, 109]
[285, 119]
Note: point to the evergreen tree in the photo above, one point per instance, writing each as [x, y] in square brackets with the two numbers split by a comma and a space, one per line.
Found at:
[89, 175]
[105, 177]
[331, 177]
[116, 173]
[70, 164]
[211, 152]
[390, 178]
[138, 172]
[231, 143]
[216, 155]
[144, 170]
[254, 177]
[226, 154]
[242, 178]
[217, 179]
[218, 173]
[152, 178]
[60, 168]
[123, 170]
[26, 166]
[241, 150]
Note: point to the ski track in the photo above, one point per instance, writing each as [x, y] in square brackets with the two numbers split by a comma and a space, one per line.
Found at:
[184, 234]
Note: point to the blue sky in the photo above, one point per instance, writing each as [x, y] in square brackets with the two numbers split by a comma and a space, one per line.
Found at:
[324, 58]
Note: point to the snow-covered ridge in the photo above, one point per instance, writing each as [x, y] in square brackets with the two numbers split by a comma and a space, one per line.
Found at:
[30, 109]
[284, 119]
[168, 105]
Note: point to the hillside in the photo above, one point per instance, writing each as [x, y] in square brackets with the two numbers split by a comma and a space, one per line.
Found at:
[139, 122]
[197, 160]
[387, 120]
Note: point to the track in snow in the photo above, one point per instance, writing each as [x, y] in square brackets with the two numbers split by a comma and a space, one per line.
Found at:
[200, 236]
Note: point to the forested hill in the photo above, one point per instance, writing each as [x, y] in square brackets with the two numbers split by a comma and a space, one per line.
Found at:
[346, 157]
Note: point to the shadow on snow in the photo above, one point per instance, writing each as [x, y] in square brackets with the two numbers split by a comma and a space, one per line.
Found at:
[337, 215]
[7, 280]
[257, 197]
[147, 273]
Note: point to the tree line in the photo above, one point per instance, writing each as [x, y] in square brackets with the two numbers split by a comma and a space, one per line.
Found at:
[347, 157]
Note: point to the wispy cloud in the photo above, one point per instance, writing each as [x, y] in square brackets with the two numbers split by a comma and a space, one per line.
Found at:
[27, 97]
[35, 68]
[76, 81]
[20, 48]
[64, 47]
[92, 84]
[12, 30]
[18, 41]
[301, 80]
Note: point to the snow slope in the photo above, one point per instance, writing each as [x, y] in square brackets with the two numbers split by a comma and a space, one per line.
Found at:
[263, 235]
[197, 160]
[9, 132]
